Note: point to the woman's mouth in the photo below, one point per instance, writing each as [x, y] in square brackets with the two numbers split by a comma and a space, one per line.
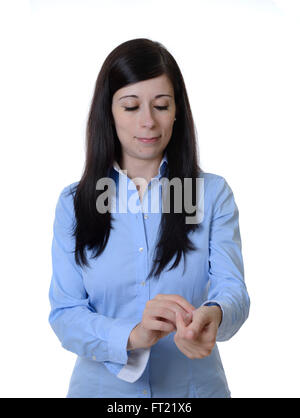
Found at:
[149, 140]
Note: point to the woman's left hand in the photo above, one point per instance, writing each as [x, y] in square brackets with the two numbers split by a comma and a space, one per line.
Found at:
[197, 339]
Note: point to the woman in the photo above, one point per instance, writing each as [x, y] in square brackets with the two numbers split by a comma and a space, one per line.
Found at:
[141, 291]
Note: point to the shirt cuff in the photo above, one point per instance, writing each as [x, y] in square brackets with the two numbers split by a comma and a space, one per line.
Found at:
[118, 339]
[136, 364]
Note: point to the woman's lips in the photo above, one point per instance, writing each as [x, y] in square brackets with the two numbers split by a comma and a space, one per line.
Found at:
[154, 139]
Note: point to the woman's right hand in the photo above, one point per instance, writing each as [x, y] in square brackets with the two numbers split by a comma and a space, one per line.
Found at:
[159, 320]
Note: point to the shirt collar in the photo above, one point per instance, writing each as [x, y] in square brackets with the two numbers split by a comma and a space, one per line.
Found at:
[161, 170]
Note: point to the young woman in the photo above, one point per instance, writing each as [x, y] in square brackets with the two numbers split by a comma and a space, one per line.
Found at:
[140, 291]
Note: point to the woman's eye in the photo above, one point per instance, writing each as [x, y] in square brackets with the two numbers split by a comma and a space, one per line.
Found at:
[131, 108]
[157, 107]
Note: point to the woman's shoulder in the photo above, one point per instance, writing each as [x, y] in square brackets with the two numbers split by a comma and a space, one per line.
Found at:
[211, 179]
[210, 176]
[65, 201]
[69, 189]
[215, 186]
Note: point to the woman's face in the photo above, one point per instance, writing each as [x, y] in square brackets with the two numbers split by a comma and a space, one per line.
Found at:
[142, 111]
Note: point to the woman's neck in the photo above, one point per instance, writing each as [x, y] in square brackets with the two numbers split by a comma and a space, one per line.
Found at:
[142, 168]
[140, 171]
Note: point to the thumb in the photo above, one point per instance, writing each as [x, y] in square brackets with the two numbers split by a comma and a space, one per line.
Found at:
[182, 329]
[199, 322]
[180, 325]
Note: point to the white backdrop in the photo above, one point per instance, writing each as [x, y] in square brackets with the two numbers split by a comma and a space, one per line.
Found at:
[240, 62]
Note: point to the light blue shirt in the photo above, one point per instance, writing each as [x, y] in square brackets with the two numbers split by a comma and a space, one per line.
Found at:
[93, 310]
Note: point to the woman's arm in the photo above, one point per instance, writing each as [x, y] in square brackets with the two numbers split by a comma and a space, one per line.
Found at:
[227, 307]
[226, 270]
[79, 328]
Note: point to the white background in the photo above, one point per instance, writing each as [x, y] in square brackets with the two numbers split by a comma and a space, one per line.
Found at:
[240, 62]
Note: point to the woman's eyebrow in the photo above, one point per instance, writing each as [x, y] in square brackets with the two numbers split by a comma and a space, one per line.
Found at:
[133, 95]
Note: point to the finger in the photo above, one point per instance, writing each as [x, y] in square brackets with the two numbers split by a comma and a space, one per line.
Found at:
[200, 321]
[163, 313]
[156, 325]
[202, 336]
[164, 320]
[171, 322]
[181, 328]
[166, 309]
[181, 301]
[183, 331]
[155, 309]
[186, 319]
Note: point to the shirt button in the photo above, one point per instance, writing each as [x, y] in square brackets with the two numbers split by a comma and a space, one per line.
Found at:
[141, 249]
[145, 216]
[144, 392]
[143, 283]
[94, 357]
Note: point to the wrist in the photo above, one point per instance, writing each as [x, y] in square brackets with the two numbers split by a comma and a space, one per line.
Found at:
[133, 340]
[218, 313]
[130, 342]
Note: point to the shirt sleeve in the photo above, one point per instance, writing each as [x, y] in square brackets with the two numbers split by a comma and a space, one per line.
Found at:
[227, 287]
[135, 366]
[73, 319]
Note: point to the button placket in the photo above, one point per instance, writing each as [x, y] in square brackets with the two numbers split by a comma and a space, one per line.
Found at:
[141, 265]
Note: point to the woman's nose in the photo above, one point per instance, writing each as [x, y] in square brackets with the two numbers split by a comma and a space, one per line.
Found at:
[147, 119]
[148, 123]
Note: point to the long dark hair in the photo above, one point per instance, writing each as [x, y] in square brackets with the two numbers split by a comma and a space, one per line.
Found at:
[133, 61]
